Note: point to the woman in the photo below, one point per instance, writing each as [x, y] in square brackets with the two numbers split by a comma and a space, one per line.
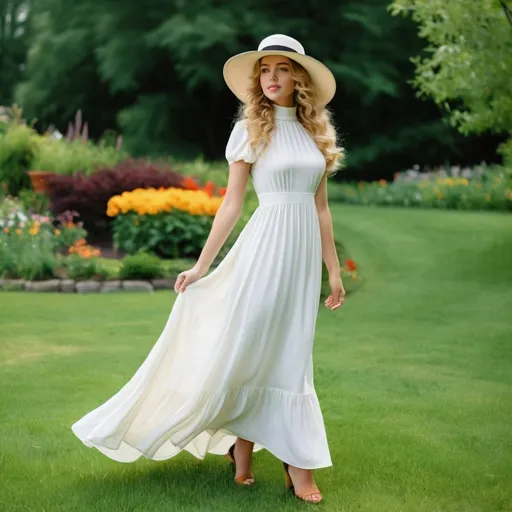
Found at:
[232, 371]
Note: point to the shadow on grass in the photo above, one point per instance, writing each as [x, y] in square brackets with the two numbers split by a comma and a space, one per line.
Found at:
[187, 485]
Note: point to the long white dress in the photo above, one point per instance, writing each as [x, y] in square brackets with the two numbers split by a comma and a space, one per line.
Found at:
[235, 356]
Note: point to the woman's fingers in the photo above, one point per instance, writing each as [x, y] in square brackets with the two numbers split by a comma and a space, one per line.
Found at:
[178, 283]
[184, 284]
[336, 299]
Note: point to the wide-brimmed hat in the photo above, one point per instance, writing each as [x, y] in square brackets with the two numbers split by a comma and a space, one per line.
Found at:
[238, 68]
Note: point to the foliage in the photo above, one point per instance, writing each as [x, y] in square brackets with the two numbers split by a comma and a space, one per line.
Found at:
[25, 255]
[75, 156]
[18, 148]
[154, 73]
[487, 192]
[89, 195]
[29, 243]
[34, 202]
[14, 39]
[83, 267]
[141, 266]
[469, 62]
[171, 235]
[171, 222]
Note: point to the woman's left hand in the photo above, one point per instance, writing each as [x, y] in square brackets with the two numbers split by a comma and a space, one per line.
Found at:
[337, 297]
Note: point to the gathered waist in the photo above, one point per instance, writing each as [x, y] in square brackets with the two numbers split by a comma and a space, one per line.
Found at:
[266, 198]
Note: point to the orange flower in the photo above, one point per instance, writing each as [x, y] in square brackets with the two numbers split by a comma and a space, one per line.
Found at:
[383, 182]
[6, 230]
[18, 231]
[350, 264]
[189, 183]
[222, 191]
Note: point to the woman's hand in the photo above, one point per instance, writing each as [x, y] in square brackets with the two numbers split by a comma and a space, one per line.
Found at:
[337, 296]
[188, 277]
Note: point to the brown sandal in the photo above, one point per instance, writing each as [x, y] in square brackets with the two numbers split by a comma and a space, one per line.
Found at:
[302, 496]
[242, 479]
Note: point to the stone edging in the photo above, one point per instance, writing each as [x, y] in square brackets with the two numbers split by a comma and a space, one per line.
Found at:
[90, 286]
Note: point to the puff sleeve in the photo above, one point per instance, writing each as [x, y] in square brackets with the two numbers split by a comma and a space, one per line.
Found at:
[238, 147]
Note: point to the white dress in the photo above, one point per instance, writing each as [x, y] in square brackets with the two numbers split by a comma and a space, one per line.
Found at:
[235, 356]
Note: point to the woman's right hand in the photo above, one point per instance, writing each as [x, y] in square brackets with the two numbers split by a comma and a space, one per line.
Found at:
[188, 277]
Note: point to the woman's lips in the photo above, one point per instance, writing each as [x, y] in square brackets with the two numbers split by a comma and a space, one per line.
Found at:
[274, 87]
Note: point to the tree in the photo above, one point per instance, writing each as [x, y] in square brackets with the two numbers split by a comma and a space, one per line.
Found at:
[153, 70]
[14, 17]
[468, 66]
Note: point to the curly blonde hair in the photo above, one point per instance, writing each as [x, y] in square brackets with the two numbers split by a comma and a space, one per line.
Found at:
[259, 115]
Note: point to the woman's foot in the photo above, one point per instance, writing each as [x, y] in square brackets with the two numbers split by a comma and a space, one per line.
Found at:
[242, 459]
[303, 484]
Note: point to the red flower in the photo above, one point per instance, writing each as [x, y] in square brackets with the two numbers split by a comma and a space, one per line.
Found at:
[222, 191]
[350, 264]
[209, 187]
[189, 183]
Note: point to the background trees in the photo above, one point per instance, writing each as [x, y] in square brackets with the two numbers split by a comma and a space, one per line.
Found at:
[153, 71]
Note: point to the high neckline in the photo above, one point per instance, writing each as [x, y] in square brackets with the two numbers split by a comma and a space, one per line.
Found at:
[285, 113]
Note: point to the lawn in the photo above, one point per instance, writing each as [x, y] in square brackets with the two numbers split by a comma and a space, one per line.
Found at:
[414, 375]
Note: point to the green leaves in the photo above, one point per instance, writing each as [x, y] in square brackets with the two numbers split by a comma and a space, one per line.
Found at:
[176, 234]
[468, 65]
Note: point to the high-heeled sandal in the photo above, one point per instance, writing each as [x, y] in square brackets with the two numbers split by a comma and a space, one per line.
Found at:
[303, 496]
[242, 479]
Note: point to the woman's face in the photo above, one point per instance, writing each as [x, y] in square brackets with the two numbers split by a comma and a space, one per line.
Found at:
[276, 80]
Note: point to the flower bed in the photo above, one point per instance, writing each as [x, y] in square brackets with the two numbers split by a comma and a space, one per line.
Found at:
[478, 189]
[170, 222]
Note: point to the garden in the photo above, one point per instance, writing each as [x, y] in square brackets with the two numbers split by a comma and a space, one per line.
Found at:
[80, 216]
[113, 123]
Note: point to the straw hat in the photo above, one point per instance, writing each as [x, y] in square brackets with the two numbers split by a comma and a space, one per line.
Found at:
[238, 68]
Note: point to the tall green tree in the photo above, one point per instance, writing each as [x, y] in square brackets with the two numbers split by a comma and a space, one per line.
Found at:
[467, 68]
[14, 17]
[154, 70]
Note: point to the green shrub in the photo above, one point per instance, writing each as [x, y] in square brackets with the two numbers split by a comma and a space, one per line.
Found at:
[34, 202]
[488, 191]
[18, 148]
[171, 268]
[78, 268]
[23, 256]
[64, 157]
[168, 234]
[141, 266]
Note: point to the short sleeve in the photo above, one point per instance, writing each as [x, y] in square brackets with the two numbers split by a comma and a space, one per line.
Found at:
[238, 147]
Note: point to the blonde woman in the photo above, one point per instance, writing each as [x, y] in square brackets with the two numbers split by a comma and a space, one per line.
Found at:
[232, 371]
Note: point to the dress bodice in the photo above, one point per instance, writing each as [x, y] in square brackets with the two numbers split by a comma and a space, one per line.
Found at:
[291, 162]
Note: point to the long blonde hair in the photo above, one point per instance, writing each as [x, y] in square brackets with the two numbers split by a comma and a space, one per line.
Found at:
[258, 113]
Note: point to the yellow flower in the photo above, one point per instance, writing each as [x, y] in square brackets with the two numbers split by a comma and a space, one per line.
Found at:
[487, 196]
[18, 231]
[152, 202]
[57, 232]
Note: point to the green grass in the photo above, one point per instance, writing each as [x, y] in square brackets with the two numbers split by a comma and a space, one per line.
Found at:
[414, 375]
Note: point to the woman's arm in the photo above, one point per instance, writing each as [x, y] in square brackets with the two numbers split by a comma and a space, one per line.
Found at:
[227, 215]
[223, 223]
[329, 255]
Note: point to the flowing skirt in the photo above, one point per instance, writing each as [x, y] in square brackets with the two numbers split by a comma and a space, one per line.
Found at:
[235, 356]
